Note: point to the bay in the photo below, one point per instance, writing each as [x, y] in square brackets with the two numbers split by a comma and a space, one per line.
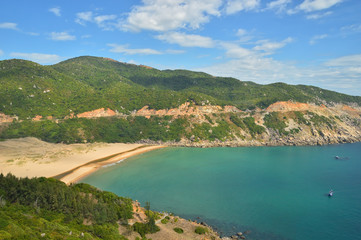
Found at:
[270, 192]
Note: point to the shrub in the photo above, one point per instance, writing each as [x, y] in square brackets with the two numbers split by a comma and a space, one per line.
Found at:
[165, 220]
[273, 120]
[201, 230]
[178, 230]
[252, 126]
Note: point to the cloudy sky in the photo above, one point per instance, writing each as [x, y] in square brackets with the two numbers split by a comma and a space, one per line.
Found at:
[313, 42]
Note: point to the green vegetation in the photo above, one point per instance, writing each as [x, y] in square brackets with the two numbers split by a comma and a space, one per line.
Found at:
[87, 83]
[299, 117]
[201, 230]
[252, 126]
[148, 227]
[321, 120]
[109, 130]
[34, 207]
[178, 230]
[145, 228]
[165, 220]
[237, 121]
[273, 120]
[205, 131]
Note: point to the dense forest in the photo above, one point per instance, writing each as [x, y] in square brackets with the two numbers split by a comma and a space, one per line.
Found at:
[45, 208]
[82, 84]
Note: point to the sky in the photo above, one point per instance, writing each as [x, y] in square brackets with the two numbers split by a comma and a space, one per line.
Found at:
[312, 42]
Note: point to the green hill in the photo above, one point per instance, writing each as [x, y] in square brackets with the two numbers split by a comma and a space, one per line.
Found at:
[87, 83]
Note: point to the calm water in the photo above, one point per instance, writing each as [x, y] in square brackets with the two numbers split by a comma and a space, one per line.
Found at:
[275, 192]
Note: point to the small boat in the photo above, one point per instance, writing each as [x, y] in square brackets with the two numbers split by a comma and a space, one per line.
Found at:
[337, 157]
[330, 193]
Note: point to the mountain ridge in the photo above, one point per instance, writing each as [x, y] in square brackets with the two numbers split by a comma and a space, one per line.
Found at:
[126, 100]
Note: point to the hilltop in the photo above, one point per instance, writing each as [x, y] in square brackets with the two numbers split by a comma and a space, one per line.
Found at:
[87, 99]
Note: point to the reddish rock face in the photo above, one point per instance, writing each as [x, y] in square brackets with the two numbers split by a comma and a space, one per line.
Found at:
[147, 67]
[185, 109]
[6, 119]
[97, 113]
[110, 59]
[288, 106]
[37, 118]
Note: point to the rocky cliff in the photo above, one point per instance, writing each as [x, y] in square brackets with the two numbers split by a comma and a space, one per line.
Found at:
[281, 123]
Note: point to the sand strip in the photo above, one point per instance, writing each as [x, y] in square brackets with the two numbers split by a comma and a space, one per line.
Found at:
[82, 171]
[31, 157]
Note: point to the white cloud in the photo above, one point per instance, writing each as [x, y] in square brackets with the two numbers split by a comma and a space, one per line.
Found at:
[165, 15]
[346, 61]
[1, 52]
[262, 48]
[278, 5]
[56, 11]
[317, 5]
[86, 36]
[61, 36]
[314, 39]
[235, 51]
[241, 32]
[340, 74]
[9, 25]
[234, 6]
[171, 51]
[318, 15]
[38, 57]
[105, 21]
[341, 77]
[269, 47]
[354, 28]
[124, 49]
[83, 17]
[187, 40]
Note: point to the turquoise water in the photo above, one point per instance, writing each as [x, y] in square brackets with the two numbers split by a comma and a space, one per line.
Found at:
[274, 192]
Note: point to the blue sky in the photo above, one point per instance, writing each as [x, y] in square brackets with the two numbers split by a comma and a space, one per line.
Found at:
[312, 42]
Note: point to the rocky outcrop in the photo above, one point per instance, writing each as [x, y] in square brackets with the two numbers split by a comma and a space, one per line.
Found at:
[37, 118]
[6, 118]
[97, 113]
[293, 106]
[185, 109]
[301, 124]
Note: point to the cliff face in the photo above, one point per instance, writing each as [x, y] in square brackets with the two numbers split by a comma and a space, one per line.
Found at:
[303, 124]
[184, 110]
[282, 123]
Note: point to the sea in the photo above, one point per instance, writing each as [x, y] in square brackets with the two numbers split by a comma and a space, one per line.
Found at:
[266, 192]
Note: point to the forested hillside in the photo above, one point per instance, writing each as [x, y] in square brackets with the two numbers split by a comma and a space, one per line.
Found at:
[139, 103]
[82, 84]
[42, 208]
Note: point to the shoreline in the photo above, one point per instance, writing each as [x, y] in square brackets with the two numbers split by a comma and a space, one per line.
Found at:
[78, 173]
[31, 157]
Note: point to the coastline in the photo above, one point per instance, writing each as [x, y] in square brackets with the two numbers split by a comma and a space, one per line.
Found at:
[82, 171]
[31, 157]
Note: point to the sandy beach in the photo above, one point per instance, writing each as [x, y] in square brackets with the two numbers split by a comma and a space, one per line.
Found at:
[30, 157]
